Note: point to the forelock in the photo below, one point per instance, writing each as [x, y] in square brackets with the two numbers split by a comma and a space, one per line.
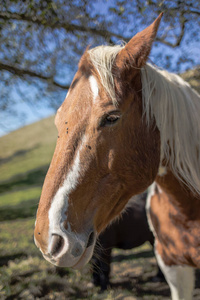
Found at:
[102, 58]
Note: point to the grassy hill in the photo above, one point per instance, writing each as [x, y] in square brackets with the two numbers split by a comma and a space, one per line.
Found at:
[25, 155]
[24, 159]
[27, 148]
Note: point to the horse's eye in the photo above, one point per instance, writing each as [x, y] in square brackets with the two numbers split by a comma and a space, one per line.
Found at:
[109, 120]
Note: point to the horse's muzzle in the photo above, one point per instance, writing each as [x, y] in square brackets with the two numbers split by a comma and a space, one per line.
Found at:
[69, 249]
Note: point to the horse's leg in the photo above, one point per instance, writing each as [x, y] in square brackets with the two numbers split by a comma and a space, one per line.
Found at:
[179, 278]
[105, 269]
[101, 267]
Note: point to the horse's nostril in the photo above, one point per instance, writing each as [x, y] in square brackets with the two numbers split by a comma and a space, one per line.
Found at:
[57, 243]
[90, 239]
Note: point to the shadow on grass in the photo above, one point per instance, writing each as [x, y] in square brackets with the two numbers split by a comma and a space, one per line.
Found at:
[142, 254]
[24, 209]
[17, 153]
[143, 285]
[6, 258]
[34, 177]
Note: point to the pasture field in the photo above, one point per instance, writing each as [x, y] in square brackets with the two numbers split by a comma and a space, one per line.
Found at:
[24, 159]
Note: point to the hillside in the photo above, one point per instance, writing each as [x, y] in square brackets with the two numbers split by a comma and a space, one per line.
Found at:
[27, 148]
[25, 155]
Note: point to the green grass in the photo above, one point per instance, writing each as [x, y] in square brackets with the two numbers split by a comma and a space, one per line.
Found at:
[24, 159]
[16, 198]
[28, 137]
[33, 159]
[17, 238]
[19, 204]
[27, 149]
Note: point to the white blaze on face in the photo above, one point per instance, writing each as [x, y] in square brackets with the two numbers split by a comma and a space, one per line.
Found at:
[94, 87]
[59, 205]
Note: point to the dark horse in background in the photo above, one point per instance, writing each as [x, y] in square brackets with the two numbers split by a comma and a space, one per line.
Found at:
[125, 125]
[130, 230]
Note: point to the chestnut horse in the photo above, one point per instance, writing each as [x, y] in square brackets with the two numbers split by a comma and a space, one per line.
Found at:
[123, 125]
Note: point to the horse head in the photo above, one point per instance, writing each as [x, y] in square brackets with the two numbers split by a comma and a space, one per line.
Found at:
[105, 152]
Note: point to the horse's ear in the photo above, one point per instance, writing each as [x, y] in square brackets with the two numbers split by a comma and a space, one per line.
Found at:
[136, 52]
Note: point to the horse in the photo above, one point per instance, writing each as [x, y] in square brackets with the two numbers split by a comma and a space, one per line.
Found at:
[118, 235]
[125, 125]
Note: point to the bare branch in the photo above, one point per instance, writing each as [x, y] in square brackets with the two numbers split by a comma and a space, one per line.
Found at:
[21, 72]
[178, 40]
[59, 24]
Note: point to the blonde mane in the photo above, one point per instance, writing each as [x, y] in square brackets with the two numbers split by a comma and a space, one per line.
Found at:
[175, 107]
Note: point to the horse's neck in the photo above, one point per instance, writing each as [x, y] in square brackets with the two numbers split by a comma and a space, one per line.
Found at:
[179, 194]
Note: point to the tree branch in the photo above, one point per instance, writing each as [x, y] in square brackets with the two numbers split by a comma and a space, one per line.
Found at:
[59, 24]
[21, 72]
[73, 27]
[178, 40]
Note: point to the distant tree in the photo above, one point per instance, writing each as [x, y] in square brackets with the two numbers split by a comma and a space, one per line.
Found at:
[42, 40]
